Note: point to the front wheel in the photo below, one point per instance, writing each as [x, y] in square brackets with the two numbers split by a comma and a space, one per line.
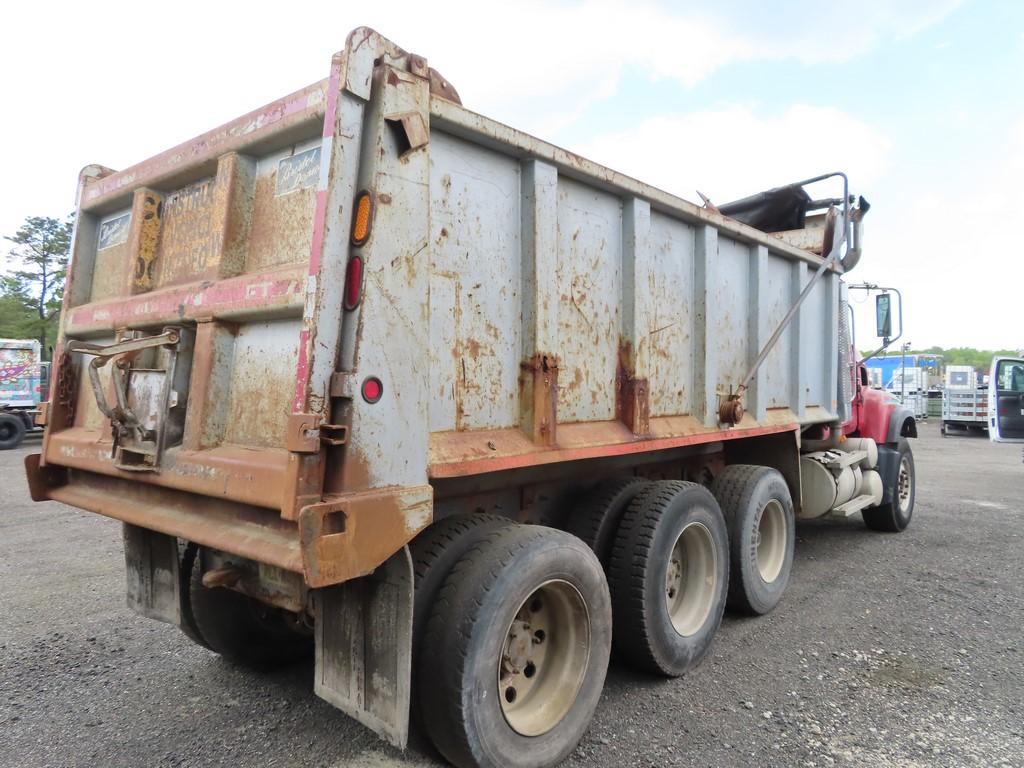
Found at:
[518, 643]
[894, 516]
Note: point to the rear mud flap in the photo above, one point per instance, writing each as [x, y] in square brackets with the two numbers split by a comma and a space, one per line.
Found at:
[364, 647]
[152, 574]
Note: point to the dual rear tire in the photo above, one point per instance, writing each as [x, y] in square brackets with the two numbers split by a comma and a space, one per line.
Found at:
[237, 627]
[668, 574]
[677, 553]
[759, 514]
[513, 624]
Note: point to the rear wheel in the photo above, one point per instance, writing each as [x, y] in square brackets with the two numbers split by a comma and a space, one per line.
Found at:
[668, 575]
[434, 553]
[758, 512]
[188, 555]
[244, 630]
[895, 515]
[12, 431]
[518, 643]
[596, 518]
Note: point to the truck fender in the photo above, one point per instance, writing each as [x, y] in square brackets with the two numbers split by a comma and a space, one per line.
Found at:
[901, 424]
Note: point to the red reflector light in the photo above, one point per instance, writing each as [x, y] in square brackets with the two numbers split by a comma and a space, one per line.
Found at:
[353, 283]
[372, 389]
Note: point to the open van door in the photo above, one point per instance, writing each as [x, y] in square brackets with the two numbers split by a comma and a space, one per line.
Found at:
[1006, 400]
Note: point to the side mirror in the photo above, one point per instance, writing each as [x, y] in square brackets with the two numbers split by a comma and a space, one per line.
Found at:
[883, 315]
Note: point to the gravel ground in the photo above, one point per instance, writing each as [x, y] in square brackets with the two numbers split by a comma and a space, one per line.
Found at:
[888, 650]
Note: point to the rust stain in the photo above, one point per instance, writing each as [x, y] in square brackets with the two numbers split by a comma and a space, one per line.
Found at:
[224, 473]
[632, 394]
[65, 395]
[472, 348]
[457, 454]
[442, 88]
[108, 274]
[144, 238]
[282, 225]
[538, 395]
[349, 536]
[188, 240]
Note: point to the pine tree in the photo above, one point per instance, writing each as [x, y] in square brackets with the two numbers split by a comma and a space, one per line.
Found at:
[35, 281]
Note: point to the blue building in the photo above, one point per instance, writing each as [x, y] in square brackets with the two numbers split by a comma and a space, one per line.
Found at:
[889, 364]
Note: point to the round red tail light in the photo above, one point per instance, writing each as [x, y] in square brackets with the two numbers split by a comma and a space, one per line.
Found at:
[373, 389]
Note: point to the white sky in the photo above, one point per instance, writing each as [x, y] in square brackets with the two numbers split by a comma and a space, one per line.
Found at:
[661, 92]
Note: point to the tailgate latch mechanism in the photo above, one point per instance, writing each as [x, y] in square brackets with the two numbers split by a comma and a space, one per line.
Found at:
[149, 378]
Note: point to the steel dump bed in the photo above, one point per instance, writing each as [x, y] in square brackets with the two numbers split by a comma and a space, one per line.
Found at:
[224, 375]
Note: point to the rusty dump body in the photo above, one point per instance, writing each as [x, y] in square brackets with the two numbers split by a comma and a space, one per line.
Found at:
[531, 317]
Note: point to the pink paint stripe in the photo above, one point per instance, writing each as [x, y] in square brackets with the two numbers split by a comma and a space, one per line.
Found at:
[195, 300]
[301, 373]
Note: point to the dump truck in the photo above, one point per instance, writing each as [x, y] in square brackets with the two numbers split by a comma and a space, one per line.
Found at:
[370, 376]
[22, 377]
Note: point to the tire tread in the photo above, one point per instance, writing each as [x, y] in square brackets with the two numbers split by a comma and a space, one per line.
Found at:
[468, 588]
[589, 521]
[628, 568]
[734, 488]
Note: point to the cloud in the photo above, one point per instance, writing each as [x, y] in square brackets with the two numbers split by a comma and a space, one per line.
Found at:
[813, 32]
[949, 246]
[734, 151]
[544, 64]
[540, 66]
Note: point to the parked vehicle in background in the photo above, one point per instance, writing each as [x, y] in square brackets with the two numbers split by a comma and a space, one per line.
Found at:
[1006, 400]
[23, 377]
[368, 373]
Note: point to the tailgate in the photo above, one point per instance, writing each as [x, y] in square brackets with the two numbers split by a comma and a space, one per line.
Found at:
[201, 329]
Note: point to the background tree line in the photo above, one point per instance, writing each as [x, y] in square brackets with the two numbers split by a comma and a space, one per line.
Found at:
[976, 358]
[32, 286]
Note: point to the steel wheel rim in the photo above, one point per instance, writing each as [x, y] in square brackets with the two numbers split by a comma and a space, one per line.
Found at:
[770, 541]
[691, 579]
[6, 431]
[903, 484]
[544, 658]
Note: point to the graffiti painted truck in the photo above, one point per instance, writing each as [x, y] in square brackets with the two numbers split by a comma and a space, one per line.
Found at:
[21, 375]
[371, 376]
